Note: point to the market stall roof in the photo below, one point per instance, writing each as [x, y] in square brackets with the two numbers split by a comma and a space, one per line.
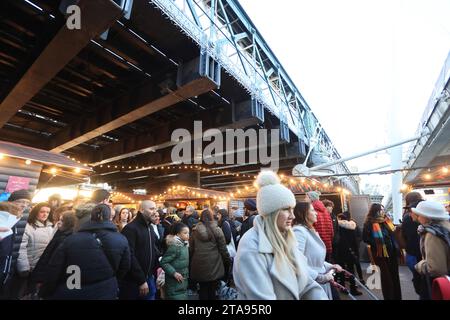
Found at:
[57, 169]
[190, 193]
[15, 150]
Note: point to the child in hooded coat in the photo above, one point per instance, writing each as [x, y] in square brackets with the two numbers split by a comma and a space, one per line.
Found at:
[175, 263]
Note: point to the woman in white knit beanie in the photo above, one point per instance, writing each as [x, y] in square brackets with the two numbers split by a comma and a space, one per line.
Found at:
[268, 265]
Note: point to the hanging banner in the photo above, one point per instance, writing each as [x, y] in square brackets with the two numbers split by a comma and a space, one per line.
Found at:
[17, 183]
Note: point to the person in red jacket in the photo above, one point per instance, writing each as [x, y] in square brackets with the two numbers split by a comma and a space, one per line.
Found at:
[324, 224]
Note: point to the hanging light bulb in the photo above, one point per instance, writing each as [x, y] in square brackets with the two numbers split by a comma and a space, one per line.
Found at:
[445, 170]
[28, 162]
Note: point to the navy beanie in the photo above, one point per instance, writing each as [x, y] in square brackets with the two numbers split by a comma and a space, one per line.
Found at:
[250, 204]
[20, 194]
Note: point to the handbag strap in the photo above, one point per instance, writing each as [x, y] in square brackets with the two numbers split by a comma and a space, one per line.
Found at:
[104, 252]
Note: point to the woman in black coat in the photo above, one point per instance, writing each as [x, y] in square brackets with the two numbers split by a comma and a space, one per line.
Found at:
[347, 250]
[65, 229]
[89, 261]
[228, 227]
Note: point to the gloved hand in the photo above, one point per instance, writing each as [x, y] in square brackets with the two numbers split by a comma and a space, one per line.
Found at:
[338, 268]
[326, 277]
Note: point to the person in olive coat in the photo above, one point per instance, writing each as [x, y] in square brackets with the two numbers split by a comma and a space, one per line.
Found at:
[175, 263]
[210, 260]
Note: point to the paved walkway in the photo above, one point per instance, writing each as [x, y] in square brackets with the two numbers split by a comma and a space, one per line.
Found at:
[408, 292]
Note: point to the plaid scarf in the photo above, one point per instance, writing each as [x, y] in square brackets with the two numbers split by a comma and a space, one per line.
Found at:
[377, 234]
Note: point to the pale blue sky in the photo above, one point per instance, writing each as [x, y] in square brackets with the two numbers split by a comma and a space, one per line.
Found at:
[355, 66]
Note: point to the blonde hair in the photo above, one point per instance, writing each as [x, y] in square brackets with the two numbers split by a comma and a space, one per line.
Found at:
[283, 243]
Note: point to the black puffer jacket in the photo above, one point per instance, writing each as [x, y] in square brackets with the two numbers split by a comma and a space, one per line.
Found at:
[18, 230]
[347, 249]
[143, 248]
[411, 236]
[102, 255]
[40, 272]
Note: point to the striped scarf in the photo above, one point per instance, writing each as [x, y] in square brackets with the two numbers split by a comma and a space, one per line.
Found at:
[379, 238]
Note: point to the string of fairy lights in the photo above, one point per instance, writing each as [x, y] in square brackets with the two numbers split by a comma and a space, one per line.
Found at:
[53, 170]
[180, 167]
[301, 183]
[241, 192]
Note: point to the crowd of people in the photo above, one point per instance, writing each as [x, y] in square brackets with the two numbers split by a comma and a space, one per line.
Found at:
[278, 248]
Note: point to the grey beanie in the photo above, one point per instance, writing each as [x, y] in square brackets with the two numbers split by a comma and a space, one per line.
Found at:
[313, 195]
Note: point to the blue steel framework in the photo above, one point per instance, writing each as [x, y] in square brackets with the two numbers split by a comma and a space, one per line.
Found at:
[222, 29]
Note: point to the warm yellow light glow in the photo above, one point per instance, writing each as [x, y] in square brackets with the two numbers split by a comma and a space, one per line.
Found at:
[404, 187]
[42, 195]
[28, 162]
[292, 181]
[445, 170]
[2, 156]
[53, 170]
[427, 176]
[339, 189]
[77, 170]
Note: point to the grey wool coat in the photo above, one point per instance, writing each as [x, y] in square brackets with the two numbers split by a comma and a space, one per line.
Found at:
[313, 248]
[257, 277]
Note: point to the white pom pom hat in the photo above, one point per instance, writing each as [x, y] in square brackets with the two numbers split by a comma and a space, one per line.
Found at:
[272, 195]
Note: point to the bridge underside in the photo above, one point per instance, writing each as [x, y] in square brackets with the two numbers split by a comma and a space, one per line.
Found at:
[114, 103]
